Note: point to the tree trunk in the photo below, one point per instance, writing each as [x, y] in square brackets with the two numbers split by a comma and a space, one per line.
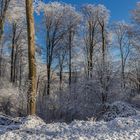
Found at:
[103, 45]
[70, 48]
[1, 29]
[1, 59]
[15, 71]
[48, 78]
[20, 72]
[31, 56]
[91, 62]
[12, 52]
[60, 77]
[1, 46]
[104, 82]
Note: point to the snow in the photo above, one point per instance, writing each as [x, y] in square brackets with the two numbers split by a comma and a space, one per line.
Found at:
[34, 128]
[118, 129]
[118, 109]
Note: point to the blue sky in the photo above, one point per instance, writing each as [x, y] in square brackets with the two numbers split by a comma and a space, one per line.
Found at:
[120, 9]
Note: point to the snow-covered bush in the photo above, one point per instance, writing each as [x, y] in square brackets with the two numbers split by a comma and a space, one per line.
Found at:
[13, 101]
[7, 120]
[118, 109]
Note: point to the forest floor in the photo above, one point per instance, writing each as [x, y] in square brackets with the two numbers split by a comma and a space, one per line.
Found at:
[34, 128]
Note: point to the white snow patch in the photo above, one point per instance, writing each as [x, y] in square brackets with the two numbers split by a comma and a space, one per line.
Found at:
[32, 122]
[33, 128]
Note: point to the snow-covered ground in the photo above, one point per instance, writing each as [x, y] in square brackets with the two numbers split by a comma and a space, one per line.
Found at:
[33, 128]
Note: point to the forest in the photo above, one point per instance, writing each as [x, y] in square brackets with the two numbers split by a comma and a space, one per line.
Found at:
[64, 63]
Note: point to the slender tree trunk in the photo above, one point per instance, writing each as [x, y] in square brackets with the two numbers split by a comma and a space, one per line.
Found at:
[1, 46]
[103, 46]
[104, 93]
[15, 69]
[1, 59]
[12, 53]
[60, 77]
[20, 72]
[31, 55]
[49, 49]
[91, 62]
[123, 77]
[90, 66]
[122, 67]
[1, 28]
[138, 77]
[48, 78]
[70, 48]
[61, 62]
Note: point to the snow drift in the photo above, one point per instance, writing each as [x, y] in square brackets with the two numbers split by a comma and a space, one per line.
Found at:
[33, 128]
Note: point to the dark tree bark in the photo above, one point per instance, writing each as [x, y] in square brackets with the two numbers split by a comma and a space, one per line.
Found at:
[13, 52]
[70, 57]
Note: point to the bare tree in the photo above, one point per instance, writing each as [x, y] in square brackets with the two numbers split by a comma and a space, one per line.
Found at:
[102, 17]
[123, 42]
[73, 21]
[60, 20]
[17, 23]
[62, 53]
[135, 36]
[91, 34]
